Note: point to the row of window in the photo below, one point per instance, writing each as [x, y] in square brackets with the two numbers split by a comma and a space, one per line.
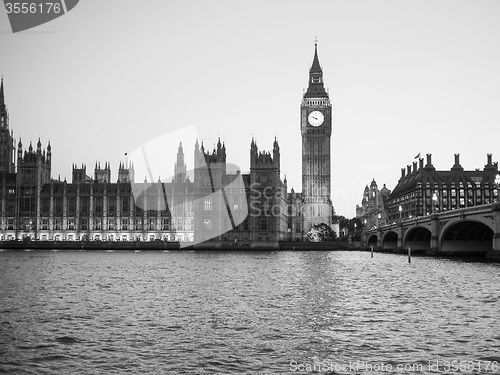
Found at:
[264, 225]
[207, 205]
[151, 225]
[478, 194]
[461, 193]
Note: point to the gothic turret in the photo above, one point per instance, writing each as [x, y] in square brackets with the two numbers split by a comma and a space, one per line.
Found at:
[49, 153]
[218, 154]
[33, 167]
[253, 151]
[126, 172]
[180, 166]
[7, 145]
[19, 151]
[198, 155]
[264, 166]
[102, 174]
[276, 154]
[79, 174]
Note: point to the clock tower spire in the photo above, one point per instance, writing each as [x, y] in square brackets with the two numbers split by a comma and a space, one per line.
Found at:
[316, 87]
[316, 131]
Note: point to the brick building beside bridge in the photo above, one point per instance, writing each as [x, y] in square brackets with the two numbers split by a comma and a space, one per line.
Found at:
[445, 211]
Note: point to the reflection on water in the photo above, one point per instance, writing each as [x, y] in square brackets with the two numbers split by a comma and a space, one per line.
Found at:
[242, 312]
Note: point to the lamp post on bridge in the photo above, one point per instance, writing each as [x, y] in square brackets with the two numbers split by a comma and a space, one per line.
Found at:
[364, 238]
[497, 187]
[379, 232]
[400, 229]
[434, 246]
[434, 201]
[495, 253]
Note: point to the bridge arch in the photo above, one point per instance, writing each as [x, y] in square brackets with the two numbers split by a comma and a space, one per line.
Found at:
[372, 240]
[390, 240]
[474, 235]
[417, 238]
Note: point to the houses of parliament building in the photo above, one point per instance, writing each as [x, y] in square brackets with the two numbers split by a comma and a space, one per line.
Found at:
[216, 204]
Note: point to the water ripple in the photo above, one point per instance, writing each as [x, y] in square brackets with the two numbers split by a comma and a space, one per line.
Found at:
[241, 312]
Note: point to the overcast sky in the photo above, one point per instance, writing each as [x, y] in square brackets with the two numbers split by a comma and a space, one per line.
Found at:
[404, 77]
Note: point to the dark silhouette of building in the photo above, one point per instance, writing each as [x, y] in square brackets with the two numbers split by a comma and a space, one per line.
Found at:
[268, 196]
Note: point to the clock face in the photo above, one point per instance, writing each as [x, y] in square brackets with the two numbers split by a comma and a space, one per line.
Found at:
[315, 118]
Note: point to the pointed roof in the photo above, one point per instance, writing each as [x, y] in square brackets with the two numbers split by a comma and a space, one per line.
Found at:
[316, 88]
[275, 143]
[315, 67]
[3, 107]
[2, 98]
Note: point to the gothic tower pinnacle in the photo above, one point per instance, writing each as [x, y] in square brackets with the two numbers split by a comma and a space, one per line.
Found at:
[180, 165]
[7, 145]
[2, 97]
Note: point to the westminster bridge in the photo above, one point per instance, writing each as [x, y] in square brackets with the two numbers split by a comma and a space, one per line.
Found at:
[469, 230]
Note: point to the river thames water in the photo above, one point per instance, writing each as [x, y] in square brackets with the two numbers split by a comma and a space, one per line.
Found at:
[86, 312]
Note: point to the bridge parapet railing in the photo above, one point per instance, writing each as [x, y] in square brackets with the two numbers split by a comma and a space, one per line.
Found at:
[441, 214]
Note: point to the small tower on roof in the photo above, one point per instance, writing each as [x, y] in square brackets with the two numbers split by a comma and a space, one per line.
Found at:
[264, 166]
[276, 154]
[34, 166]
[79, 174]
[102, 174]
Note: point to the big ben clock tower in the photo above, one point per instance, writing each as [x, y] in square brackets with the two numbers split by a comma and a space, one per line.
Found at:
[316, 130]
